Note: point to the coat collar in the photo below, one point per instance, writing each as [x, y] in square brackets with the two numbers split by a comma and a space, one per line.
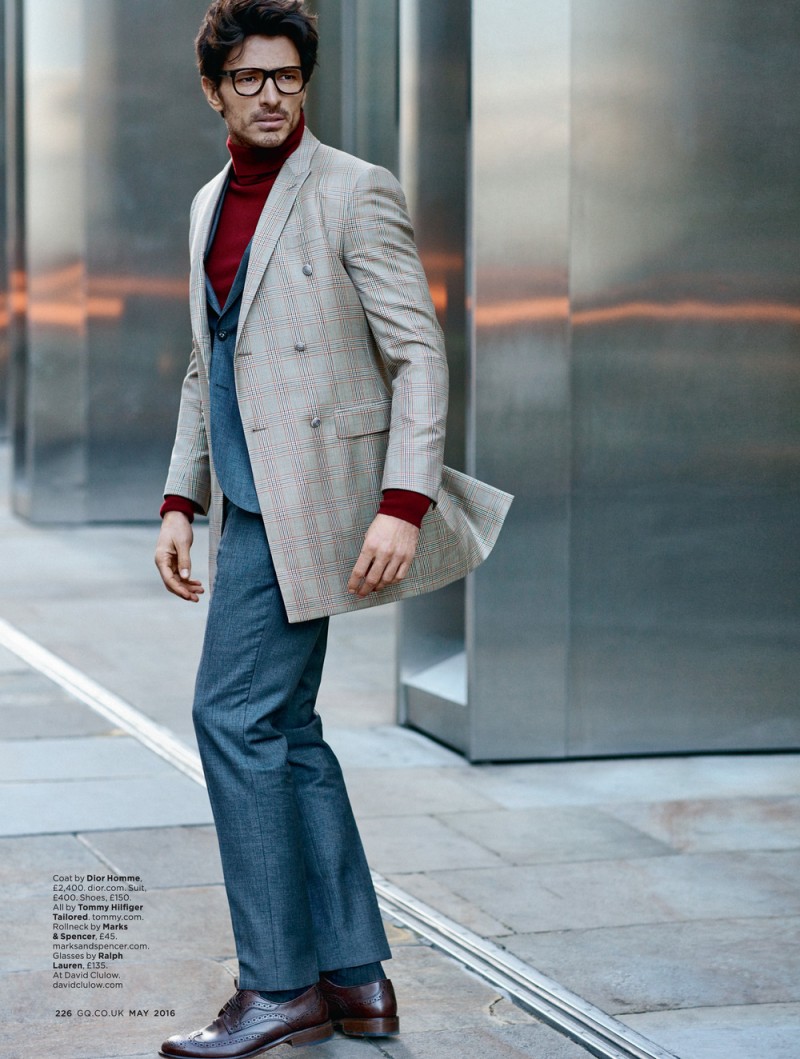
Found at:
[268, 230]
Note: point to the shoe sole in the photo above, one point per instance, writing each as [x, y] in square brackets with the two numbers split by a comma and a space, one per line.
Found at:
[385, 1027]
[312, 1035]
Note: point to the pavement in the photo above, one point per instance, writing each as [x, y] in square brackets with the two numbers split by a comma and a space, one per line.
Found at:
[664, 891]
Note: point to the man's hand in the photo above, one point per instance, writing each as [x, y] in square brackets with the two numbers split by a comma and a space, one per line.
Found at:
[172, 556]
[389, 547]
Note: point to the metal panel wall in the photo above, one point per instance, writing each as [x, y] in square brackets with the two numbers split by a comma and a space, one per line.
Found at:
[487, 169]
[632, 375]
[14, 224]
[117, 138]
[685, 243]
[4, 244]
[434, 120]
[519, 437]
[352, 100]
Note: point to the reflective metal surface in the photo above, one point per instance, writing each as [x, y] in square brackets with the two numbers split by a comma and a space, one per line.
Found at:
[686, 330]
[634, 298]
[434, 145]
[519, 429]
[352, 102]
[491, 159]
[117, 138]
[4, 306]
[14, 221]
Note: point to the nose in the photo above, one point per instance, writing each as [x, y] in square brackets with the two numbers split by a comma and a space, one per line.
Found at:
[269, 93]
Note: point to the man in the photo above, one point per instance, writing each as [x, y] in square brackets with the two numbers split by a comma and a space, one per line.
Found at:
[311, 429]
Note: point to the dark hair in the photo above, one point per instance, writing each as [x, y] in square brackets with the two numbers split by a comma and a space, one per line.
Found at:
[228, 22]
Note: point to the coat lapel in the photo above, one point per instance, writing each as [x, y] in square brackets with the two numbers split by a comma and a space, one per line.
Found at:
[201, 227]
[274, 217]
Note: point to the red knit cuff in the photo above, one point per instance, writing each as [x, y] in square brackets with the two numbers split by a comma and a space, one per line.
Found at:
[180, 503]
[402, 503]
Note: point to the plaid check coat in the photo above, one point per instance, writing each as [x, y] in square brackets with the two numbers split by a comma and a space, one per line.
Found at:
[341, 379]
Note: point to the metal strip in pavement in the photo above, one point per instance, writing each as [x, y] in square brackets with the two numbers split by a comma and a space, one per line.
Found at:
[587, 1025]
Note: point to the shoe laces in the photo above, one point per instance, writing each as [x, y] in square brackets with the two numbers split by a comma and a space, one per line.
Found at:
[231, 1009]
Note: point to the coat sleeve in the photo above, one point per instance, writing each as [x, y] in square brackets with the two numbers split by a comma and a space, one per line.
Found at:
[189, 468]
[381, 259]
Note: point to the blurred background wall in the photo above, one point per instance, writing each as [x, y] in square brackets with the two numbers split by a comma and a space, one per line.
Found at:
[605, 196]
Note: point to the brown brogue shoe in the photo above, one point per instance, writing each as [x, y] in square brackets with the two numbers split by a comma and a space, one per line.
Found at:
[362, 1010]
[248, 1025]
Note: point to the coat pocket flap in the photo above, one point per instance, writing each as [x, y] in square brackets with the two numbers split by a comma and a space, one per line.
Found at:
[368, 419]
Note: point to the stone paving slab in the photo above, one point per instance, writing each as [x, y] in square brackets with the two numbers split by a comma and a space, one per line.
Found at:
[410, 791]
[387, 745]
[500, 1043]
[614, 781]
[187, 923]
[116, 756]
[27, 864]
[705, 963]
[765, 1031]
[49, 807]
[434, 893]
[551, 897]
[533, 836]
[54, 721]
[717, 824]
[33, 707]
[164, 856]
[420, 843]
[191, 988]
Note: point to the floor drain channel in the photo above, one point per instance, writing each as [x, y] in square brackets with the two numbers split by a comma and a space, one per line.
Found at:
[597, 1032]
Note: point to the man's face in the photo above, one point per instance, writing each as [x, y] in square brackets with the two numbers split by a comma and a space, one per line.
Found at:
[265, 120]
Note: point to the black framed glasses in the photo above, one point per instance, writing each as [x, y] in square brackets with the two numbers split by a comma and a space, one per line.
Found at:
[250, 80]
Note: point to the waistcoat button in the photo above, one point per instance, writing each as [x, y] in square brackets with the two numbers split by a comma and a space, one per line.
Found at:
[307, 270]
[222, 335]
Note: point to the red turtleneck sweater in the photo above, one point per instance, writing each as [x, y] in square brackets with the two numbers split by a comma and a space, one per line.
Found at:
[254, 172]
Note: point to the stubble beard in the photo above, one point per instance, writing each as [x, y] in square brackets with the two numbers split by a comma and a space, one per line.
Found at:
[243, 135]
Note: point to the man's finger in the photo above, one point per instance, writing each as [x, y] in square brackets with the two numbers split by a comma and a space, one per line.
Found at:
[184, 564]
[186, 589]
[360, 570]
[373, 577]
[390, 572]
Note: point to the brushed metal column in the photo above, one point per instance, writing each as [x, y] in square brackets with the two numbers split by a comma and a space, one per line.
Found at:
[686, 330]
[485, 147]
[435, 42]
[4, 238]
[519, 425]
[117, 138]
[352, 100]
[628, 368]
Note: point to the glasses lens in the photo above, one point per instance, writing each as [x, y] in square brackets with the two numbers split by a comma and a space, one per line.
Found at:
[288, 81]
[248, 82]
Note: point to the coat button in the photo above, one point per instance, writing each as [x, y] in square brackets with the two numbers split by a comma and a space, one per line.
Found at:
[300, 347]
[307, 270]
[315, 422]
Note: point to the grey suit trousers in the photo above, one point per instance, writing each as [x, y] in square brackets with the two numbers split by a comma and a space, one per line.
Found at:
[299, 889]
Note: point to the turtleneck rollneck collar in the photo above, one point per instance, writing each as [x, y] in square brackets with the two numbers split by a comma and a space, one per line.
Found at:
[251, 165]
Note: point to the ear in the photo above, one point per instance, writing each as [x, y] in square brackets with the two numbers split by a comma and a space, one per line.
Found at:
[211, 92]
